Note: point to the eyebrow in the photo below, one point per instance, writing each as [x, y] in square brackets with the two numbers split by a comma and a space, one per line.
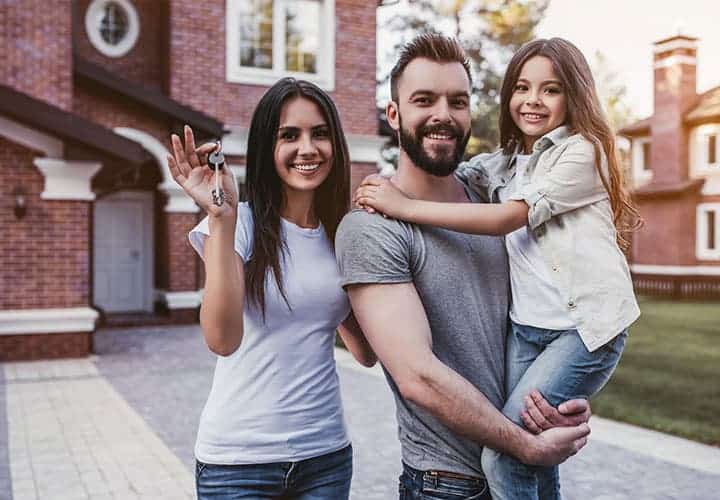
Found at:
[294, 127]
[556, 82]
[463, 93]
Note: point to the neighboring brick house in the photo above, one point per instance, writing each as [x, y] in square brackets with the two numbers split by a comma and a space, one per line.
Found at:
[675, 156]
[93, 225]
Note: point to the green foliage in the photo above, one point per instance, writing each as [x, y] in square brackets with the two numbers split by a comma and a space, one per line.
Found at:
[490, 31]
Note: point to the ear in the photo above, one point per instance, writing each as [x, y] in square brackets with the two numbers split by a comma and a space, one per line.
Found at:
[393, 115]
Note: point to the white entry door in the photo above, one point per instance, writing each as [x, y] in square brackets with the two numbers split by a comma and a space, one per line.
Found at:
[122, 255]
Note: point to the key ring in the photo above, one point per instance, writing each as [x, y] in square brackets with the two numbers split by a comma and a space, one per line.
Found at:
[216, 162]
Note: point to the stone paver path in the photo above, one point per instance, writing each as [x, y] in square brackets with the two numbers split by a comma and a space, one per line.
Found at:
[122, 425]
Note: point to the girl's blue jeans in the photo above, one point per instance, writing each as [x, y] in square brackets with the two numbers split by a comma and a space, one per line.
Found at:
[557, 363]
[326, 477]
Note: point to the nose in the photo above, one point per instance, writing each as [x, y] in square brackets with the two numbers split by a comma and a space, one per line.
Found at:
[533, 98]
[306, 146]
[441, 113]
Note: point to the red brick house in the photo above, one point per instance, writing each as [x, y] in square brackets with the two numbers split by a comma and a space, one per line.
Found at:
[675, 157]
[94, 227]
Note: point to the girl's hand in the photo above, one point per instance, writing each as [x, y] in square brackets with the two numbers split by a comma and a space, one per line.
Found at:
[380, 194]
[189, 169]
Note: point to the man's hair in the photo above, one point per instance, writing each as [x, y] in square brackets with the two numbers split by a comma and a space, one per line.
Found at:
[438, 48]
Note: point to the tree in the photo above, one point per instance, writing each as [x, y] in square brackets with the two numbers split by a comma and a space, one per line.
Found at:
[611, 92]
[490, 31]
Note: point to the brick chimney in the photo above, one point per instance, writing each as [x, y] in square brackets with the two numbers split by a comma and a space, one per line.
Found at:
[675, 65]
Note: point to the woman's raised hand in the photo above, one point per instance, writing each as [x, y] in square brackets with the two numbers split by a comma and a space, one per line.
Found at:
[188, 166]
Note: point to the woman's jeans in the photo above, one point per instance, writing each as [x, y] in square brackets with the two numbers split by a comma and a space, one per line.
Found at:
[326, 477]
[434, 485]
[558, 364]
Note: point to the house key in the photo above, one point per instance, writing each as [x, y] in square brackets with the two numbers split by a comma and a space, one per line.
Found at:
[216, 162]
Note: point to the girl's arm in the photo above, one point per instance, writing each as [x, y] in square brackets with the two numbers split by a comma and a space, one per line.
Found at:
[383, 196]
[354, 339]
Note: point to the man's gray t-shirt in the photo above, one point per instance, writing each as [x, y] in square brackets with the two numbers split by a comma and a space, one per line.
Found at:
[462, 281]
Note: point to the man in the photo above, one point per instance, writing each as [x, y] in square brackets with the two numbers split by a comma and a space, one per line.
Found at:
[433, 303]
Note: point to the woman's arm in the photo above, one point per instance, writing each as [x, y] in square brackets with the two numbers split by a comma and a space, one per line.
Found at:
[354, 339]
[221, 312]
[475, 218]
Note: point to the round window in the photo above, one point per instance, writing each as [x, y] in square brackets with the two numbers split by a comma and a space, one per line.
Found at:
[112, 26]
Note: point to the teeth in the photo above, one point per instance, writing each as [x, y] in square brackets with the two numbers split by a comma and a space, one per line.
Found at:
[439, 137]
[533, 116]
[308, 167]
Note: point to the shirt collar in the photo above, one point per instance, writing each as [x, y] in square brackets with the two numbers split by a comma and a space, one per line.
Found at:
[555, 136]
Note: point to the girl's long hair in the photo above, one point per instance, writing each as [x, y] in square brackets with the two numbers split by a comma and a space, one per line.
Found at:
[584, 116]
[265, 188]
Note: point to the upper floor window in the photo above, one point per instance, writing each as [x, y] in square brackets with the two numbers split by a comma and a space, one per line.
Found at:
[269, 39]
[708, 231]
[711, 149]
[112, 26]
[641, 166]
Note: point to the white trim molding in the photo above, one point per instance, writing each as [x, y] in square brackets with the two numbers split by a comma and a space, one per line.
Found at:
[675, 44]
[177, 200]
[67, 180]
[675, 60]
[641, 176]
[180, 300]
[34, 321]
[675, 270]
[31, 138]
[93, 19]
[702, 238]
[325, 76]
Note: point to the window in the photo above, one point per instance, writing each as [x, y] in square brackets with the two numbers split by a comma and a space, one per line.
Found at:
[708, 231]
[712, 149]
[646, 156]
[112, 26]
[269, 39]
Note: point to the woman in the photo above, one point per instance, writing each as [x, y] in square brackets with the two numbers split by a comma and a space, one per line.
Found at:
[273, 424]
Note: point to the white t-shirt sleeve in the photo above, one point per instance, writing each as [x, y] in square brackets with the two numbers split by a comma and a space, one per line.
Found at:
[243, 233]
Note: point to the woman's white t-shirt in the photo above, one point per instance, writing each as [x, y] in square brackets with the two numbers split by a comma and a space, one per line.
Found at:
[536, 301]
[277, 398]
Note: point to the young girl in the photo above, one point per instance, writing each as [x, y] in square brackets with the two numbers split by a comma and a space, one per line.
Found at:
[557, 192]
[273, 423]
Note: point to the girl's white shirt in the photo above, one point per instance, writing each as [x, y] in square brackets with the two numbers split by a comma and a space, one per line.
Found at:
[536, 300]
[277, 398]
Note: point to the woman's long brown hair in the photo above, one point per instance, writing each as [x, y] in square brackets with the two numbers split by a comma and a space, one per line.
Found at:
[585, 116]
[265, 188]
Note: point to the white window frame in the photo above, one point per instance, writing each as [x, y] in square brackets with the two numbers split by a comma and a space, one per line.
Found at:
[96, 39]
[641, 175]
[700, 155]
[325, 77]
[702, 249]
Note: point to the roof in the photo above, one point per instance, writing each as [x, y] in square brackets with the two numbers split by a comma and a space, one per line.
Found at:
[640, 127]
[149, 98]
[69, 126]
[707, 107]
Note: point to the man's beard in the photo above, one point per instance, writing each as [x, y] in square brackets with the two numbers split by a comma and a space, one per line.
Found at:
[447, 158]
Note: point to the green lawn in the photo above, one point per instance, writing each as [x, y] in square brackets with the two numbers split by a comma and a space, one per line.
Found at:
[669, 375]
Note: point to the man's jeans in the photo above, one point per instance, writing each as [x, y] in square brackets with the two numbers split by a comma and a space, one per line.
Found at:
[326, 477]
[558, 364]
[431, 485]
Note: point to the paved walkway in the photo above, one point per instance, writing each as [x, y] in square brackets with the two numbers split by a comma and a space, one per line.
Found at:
[121, 425]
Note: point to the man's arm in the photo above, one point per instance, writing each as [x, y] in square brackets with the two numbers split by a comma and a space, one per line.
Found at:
[394, 322]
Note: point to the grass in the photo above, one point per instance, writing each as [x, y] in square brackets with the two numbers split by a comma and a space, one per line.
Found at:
[669, 376]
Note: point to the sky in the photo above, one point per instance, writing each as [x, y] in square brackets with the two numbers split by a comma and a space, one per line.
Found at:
[624, 31]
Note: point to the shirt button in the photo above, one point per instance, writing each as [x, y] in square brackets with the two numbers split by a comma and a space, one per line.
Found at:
[571, 304]
[555, 268]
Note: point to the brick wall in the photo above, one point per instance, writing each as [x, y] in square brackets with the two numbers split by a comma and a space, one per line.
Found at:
[182, 259]
[39, 62]
[197, 70]
[671, 222]
[44, 257]
[145, 63]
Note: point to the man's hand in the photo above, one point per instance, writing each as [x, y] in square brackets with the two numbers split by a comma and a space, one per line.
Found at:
[554, 446]
[539, 415]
